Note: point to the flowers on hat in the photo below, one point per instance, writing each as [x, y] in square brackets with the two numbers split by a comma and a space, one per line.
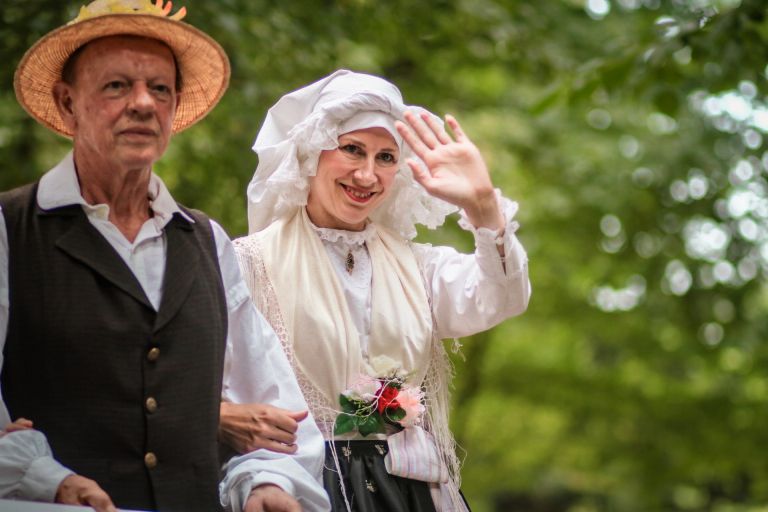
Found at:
[202, 61]
[102, 7]
[372, 403]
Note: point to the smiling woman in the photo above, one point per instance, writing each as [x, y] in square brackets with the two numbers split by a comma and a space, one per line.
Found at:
[353, 179]
[346, 170]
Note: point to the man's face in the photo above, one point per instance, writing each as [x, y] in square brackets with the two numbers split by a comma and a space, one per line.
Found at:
[121, 103]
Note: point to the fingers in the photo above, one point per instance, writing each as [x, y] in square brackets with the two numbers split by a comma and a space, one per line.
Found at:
[298, 416]
[458, 133]
[19, 424]
[285, 420]
[250, 427]
[276, 433]
[100, 501]
[278, 447]
[437, 128]
[271, 498]
[410, 138]
[78, 490]
[421, 176]
[425, 133]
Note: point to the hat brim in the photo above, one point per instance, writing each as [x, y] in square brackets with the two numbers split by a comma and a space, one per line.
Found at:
[203, 64]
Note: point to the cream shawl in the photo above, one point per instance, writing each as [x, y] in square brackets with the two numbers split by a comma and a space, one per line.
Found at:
[317, 321]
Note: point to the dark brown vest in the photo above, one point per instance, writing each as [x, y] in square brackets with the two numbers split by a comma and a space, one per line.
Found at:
[86, 355]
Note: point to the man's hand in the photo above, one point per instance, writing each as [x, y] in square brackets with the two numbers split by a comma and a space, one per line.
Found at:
[249, 427]
[78, 490]
[271, 498]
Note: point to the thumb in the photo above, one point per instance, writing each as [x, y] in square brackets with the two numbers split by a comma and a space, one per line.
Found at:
[298, 415]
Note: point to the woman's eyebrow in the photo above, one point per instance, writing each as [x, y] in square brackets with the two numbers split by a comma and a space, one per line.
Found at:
[347, 139]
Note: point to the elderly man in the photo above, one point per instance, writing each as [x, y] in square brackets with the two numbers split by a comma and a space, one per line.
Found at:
[119, 309]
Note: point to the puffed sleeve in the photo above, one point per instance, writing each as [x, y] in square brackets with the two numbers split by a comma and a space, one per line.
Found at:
[474, 292]
[256, 370]
[28, 470]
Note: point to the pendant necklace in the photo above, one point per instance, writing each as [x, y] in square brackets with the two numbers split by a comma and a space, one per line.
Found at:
[349, 263]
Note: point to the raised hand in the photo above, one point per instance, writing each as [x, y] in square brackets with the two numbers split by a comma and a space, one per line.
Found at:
[455, 170]
[249, 427]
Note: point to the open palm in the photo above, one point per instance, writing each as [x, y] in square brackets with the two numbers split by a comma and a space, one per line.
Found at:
[455, 170]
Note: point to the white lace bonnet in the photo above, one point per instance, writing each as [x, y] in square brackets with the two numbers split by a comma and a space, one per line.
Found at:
[305, 122]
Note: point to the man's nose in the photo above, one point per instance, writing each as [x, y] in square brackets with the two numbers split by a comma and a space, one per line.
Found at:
[141, 99]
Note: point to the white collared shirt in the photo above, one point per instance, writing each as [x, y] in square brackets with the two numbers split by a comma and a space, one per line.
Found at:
[29, 471]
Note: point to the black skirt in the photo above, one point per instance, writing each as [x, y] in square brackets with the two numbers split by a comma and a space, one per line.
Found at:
[368, 486]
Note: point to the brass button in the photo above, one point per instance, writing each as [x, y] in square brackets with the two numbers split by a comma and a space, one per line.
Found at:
[150, 460]
[153, 354]
[151, 404]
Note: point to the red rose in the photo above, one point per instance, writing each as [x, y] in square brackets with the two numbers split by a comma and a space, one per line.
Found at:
[387, 399]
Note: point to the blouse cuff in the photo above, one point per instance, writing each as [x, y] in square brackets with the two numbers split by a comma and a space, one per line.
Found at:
[487, 240]
[42, 479]
[27, 458]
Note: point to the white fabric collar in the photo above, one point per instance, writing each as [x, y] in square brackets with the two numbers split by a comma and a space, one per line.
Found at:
[350, 238]
[59, 187]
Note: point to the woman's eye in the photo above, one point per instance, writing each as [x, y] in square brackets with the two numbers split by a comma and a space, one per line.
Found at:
[387, 158]
[352, 149]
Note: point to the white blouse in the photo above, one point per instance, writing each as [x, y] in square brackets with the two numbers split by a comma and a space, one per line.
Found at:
[469, 292]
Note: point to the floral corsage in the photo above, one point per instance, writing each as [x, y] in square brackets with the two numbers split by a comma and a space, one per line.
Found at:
[378, 399]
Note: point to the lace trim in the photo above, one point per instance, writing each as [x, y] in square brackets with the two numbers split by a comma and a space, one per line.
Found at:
[436, 382]
[438, 401]
[344, 236]
[508, 210]
[265, 298]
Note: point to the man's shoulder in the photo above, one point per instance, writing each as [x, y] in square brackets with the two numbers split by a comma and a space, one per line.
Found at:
[196, 214]
[18, 198]
[19, 193]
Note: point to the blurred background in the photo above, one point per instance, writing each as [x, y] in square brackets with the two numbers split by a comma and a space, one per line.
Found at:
[632, 133]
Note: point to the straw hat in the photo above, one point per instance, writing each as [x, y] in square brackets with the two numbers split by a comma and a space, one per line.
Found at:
[203, 64]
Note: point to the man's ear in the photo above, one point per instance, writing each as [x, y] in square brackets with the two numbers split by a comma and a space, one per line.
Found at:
[179, 99]
[62, 96]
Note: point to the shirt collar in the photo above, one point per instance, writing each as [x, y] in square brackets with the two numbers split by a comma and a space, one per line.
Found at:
[59, 187]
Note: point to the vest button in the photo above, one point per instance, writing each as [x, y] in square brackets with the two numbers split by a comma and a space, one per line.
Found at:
[150, 460]
[151, 404]
[153, 354]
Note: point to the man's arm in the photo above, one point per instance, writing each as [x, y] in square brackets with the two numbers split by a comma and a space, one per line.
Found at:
[256, 370]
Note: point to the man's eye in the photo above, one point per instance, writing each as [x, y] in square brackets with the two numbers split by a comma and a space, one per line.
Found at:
[115, 85]
[163, 89]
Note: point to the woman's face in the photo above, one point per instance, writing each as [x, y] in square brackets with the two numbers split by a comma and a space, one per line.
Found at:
[353, 179]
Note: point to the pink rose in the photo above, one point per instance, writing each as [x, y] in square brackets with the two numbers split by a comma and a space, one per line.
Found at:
[410, 400]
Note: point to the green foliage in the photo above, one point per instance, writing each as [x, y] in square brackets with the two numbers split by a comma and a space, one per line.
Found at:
[634, 141]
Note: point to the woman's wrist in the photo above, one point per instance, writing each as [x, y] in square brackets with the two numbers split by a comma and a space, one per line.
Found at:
[486, 212]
